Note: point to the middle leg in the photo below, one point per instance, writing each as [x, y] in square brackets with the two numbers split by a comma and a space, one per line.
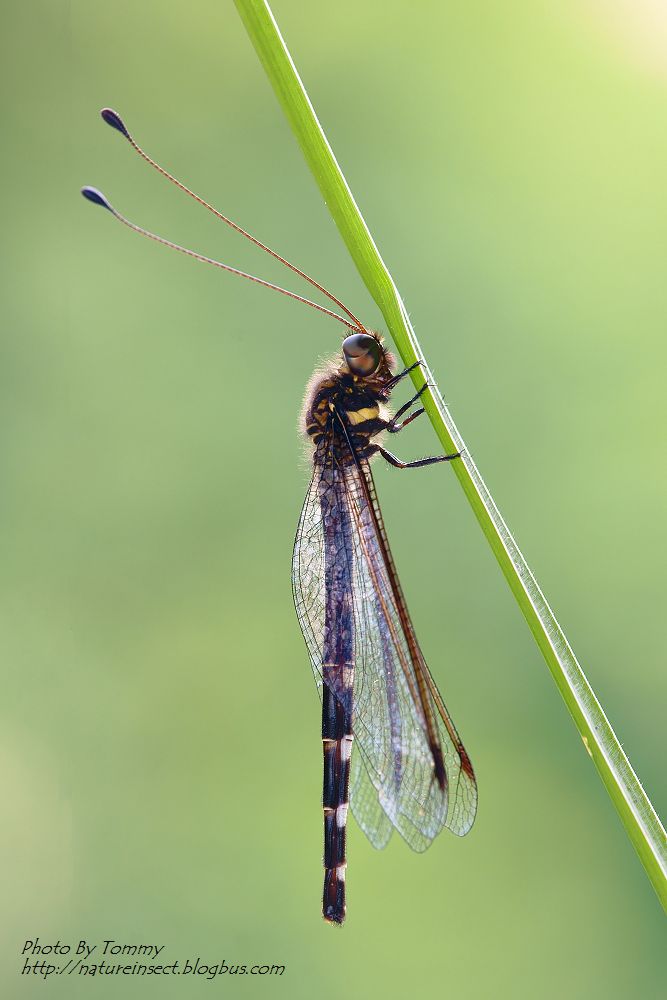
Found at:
[392, 426]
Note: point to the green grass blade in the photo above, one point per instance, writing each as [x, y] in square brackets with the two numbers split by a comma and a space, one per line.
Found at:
[637, 814]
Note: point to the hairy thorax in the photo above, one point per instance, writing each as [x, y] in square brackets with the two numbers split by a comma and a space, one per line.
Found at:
[335, 398]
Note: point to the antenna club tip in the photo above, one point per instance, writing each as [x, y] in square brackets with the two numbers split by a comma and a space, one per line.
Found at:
[92, 194]
[112, 118]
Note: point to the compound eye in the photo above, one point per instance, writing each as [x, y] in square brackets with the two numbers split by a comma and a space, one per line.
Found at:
[362, 353]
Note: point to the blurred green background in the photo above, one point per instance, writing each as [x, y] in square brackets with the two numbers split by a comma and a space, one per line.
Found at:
[160, 745]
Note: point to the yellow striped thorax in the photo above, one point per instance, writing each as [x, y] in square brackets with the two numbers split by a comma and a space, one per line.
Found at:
[365, 413]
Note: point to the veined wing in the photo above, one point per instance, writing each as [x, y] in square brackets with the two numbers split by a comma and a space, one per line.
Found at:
[413, 801]
[326, 499]
[397, 711]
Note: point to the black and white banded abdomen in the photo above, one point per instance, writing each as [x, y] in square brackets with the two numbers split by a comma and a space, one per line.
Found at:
[337, 750]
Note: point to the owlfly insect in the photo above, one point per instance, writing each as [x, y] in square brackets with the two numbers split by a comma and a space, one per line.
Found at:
[391, 750]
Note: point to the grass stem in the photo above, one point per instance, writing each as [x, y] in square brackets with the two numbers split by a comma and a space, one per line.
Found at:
[637, 814]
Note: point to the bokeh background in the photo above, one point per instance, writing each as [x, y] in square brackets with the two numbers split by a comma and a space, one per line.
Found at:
[160, 744]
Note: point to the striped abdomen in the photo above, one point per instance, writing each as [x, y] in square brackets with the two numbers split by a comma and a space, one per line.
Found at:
[337, 746]
[337, 689]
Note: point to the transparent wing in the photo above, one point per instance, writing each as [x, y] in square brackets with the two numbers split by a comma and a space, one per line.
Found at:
[365, 804]
[308, 582]
[392, 772]
[400, 766]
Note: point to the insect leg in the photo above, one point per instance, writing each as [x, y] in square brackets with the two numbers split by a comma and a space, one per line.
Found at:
[401, 375]
[394, 428]
[398, 464]
[406, 406]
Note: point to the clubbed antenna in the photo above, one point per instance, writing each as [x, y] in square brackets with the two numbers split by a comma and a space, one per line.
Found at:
[113, 119]
[92, 194]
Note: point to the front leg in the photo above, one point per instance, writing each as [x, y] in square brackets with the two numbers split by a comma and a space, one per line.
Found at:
[401, 375]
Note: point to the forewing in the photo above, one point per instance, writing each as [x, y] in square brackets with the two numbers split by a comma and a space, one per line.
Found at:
[400, 765]
[365, 804]
[308, 582]
[392, 770]
[308, 576]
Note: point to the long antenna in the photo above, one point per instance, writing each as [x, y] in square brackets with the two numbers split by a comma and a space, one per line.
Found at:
[92, 194]
[113, 119]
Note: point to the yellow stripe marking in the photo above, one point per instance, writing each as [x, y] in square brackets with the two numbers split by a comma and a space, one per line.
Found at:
[358, 416]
